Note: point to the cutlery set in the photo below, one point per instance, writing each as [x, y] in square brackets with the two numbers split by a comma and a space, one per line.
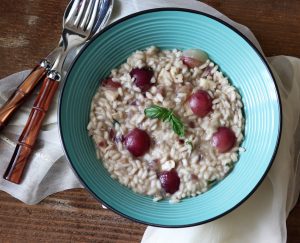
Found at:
[82, 20]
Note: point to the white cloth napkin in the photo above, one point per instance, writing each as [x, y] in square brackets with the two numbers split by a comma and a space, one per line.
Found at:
[260, 219]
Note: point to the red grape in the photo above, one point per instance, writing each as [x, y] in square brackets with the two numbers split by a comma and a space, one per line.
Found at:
[223, 139]
[110, 84]
[169, 181]
[102, 143]
[191, 62]
[142, 78]
[200, 103]
[194, 57]
[112, 134]
[137, 142]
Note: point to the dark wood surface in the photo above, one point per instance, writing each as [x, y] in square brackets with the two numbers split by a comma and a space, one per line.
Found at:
[29, 29]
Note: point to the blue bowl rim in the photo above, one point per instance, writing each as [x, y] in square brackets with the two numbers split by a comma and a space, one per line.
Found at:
[160, 10]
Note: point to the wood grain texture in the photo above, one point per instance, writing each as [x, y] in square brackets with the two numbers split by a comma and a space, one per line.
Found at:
[70, 216]
[74, 216]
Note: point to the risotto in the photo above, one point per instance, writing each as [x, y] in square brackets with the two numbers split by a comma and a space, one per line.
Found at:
[167, 123]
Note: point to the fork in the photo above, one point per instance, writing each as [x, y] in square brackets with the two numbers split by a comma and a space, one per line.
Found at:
[39, 73]
[76, 30]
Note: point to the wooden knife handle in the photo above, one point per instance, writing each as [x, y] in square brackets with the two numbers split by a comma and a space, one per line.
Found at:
[23, 90]
[31, 131]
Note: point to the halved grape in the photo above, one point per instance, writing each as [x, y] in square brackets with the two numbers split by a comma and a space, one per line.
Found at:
[137, 142]
[194, 57]
[190, 62]
[223, 139]
[200, 103]
[169, 181]
[142, 78]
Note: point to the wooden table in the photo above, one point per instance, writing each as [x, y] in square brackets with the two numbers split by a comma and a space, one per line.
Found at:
[74, 215]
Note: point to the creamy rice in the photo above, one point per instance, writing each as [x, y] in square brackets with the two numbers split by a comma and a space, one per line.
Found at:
[116, 112]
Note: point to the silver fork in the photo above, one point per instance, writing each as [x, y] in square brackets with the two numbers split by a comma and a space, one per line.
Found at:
[39, 72]
[77, 28]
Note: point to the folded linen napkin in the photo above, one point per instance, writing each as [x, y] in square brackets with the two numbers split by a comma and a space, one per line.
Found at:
[265, 212]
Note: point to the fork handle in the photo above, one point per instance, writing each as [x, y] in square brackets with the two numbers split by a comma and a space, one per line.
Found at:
[23, 90]
[31, 130]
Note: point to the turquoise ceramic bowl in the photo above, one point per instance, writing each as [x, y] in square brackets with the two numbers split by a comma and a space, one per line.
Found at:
[181, 29]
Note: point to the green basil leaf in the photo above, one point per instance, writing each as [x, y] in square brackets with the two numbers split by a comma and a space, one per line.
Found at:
[164, 114]
[177, 125]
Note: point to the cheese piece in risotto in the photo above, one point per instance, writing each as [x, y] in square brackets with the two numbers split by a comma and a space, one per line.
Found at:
[167, 123]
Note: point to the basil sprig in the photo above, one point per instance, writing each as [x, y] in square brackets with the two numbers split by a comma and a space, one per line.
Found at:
[164, 114]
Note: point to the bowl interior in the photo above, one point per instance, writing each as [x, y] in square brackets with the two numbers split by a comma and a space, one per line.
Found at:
[181, 29]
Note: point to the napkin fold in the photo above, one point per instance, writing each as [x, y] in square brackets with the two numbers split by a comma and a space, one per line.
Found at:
[260, 219]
